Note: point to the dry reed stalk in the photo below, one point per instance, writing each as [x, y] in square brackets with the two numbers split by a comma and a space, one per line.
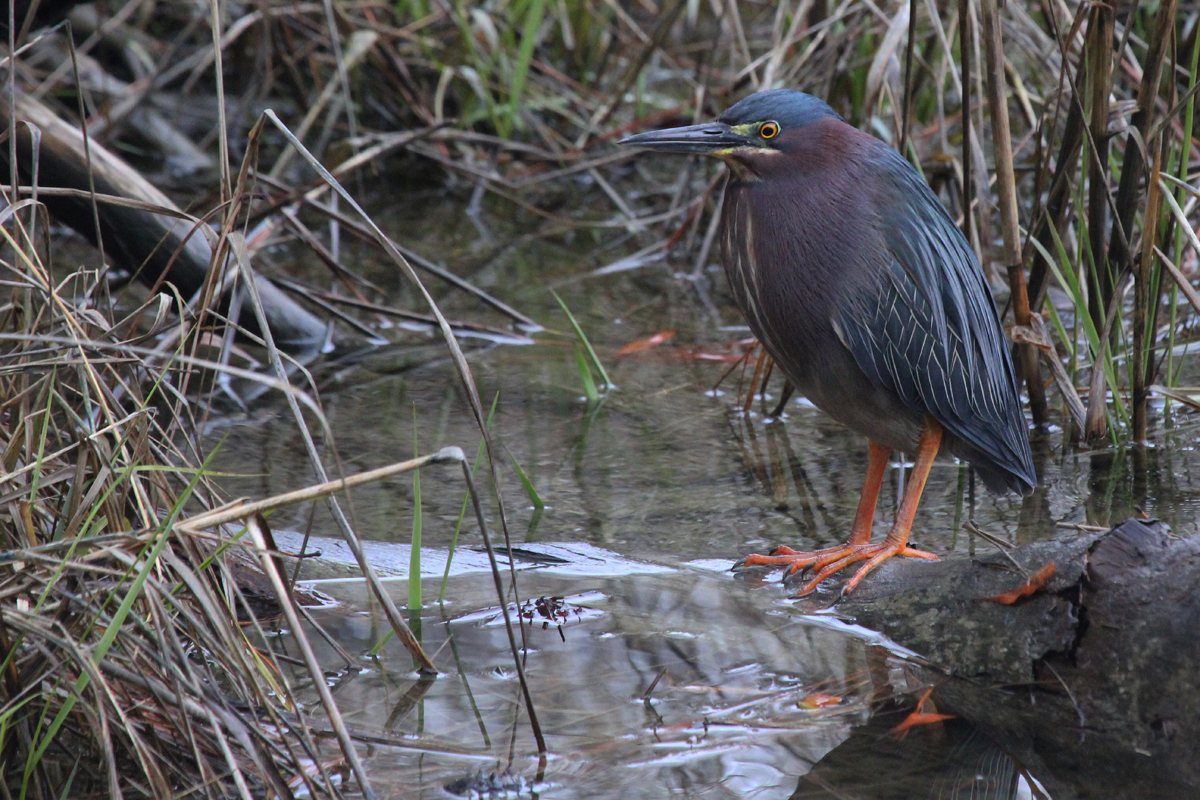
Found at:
[1099, 82]
[1139, 371]
[1127, 201]
[1058, 203]
[906, 106]
[1006, 187]
[244, 509]
[1095, 425]
[1134, 162]
[102, 690]
[468, 382]
[966, 49]
[310, 660]
[236, 243]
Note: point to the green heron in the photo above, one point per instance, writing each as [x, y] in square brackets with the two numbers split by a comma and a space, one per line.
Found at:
[863, 290]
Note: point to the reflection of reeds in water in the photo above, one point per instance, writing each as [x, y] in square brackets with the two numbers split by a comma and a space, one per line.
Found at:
[671, 678]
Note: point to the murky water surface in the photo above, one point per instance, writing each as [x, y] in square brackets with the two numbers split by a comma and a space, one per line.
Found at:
[682, 683]
[657, 673]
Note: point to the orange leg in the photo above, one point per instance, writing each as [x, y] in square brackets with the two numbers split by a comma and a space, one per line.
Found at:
[832, 559]
[861, 533]
[877, 462]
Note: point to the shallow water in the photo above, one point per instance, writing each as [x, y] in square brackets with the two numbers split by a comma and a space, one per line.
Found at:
[730, 672]
[664, 471]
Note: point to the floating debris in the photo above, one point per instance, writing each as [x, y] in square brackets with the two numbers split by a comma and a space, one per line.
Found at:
[492, 785]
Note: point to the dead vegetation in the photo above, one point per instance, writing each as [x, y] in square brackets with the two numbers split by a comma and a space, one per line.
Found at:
[125, 668]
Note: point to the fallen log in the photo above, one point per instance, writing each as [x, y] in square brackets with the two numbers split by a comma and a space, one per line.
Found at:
[1089, 683]
[1134, 578]
[158, 247]
[941, 609]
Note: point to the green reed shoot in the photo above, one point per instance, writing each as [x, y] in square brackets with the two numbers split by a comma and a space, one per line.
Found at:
[530, 489]
[584, 345]
[1189, 116]
[533, 21]
[585, 376]
[153, 552]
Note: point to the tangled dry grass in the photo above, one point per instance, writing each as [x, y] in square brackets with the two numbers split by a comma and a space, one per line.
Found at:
[133, 661]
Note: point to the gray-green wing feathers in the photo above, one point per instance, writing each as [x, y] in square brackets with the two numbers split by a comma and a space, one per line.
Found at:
[928, 330]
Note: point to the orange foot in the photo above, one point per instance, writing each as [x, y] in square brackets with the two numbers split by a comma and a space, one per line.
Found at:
[832, 559]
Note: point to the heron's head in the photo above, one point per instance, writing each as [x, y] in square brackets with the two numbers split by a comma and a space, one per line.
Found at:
[765, 126]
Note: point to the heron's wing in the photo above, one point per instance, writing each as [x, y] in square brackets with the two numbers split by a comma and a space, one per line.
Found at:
[927, 329]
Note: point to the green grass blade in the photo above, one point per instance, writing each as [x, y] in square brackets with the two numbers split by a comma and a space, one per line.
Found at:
[585, 376]
[533, 22]
[1063, 336]
[113, 630]
[1068, 279]
[1172, 375]
[608, 384]
[530, 489]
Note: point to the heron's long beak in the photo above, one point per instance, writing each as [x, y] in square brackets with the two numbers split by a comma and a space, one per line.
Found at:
[711, 138]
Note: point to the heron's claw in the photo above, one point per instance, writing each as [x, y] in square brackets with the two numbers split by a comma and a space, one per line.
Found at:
[827, 561]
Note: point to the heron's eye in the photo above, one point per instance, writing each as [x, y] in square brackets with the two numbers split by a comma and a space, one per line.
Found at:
[769, 130]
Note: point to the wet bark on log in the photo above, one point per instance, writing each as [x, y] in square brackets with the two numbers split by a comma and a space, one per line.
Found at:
[1091, 683]
[936, 608]
[157, 247]
[1133, 580]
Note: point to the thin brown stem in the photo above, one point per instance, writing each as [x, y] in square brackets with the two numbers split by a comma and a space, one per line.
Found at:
[1139, 378]
[1006, 187]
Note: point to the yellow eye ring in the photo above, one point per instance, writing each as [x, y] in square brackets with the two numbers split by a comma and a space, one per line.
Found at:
[769, 130]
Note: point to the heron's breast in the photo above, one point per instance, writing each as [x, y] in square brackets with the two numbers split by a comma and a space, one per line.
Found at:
[792, 253]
